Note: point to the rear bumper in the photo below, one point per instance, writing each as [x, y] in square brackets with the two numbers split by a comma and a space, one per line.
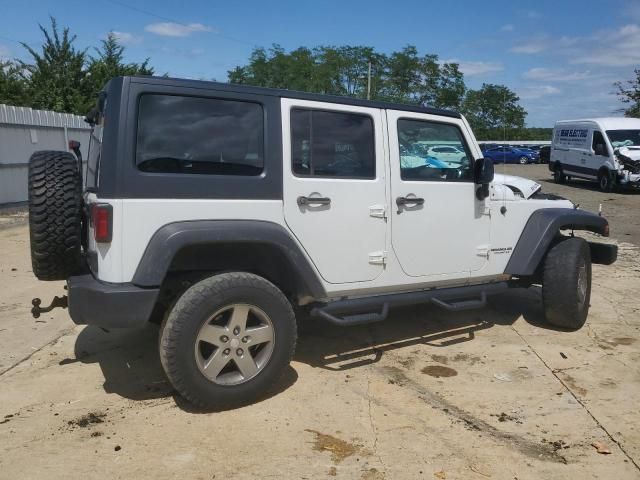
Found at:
[109, 305]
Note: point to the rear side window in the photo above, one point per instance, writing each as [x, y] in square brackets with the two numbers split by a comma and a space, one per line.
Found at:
[178, 134]
[332, 144]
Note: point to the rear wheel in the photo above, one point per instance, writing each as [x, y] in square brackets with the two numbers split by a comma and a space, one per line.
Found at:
[227, 340]
[558, 174]
[55, 201]
[566, 283]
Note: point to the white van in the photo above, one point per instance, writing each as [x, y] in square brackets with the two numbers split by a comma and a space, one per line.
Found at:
[602, 149]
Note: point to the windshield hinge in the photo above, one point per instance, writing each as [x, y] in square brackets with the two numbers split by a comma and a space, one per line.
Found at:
[378, 258]
[483, 251]
[378, 211]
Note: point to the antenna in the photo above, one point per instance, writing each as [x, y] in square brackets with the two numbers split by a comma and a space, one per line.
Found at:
[504, 143]
[369, 82]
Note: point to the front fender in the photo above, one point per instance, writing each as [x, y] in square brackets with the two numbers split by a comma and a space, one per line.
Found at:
[541, 229]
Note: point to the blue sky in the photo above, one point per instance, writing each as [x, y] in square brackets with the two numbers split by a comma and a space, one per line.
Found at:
[561, 57]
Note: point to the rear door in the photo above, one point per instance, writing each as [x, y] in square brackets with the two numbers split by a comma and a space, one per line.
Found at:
[334, 187]
[439, 228]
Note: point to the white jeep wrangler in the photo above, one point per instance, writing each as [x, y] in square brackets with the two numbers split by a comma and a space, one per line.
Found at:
[220, 210]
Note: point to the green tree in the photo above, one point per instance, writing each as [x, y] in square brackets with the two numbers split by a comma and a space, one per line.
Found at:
[109, 63]
[55, 78]
[629, 94]
[12, 85]
[402, 76]
[451, 88]
[492, 109]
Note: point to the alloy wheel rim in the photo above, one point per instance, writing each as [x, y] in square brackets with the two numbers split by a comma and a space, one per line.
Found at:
[234, 344]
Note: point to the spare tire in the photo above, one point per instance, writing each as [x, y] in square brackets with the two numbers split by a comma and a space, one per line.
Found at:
[55, 212]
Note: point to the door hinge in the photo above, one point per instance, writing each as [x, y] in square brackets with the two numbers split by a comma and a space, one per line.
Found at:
[378, 211]
[483, 251]
[378, 258]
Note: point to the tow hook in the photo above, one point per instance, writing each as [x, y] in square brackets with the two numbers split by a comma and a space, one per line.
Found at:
[61, 302]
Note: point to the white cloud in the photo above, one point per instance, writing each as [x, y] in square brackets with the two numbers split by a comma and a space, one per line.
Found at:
[477, 68]
[171, 29]
[612, 48]
[555, 75]
[507, 28]
[537, 91]
[532, 46]
[126, 38]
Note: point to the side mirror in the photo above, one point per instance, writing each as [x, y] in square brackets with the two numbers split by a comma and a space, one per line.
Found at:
[601, 150]
[483, 175]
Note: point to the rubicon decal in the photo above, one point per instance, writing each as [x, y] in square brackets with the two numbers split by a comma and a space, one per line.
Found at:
[501, 250]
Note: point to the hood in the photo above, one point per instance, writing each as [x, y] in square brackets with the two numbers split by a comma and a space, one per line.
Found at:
[628, 153]
[521, 185]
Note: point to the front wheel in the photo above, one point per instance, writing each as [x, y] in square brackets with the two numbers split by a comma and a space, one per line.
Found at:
[227, 340]
[605, 181]
[523, 160]
[566, 283]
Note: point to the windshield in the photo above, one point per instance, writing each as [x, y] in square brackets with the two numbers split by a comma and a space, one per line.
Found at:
[624, 138]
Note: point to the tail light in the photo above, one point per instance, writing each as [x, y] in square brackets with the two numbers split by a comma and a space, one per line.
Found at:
[102, 222]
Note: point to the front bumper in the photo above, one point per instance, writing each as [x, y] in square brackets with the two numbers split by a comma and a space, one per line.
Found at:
[109, 305]
[603, 253]
[629, 179]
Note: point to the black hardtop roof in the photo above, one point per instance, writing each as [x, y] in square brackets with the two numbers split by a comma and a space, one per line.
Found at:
[276, 92]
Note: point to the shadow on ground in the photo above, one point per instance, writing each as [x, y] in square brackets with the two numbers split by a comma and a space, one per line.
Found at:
[131, 365]
[592, 185]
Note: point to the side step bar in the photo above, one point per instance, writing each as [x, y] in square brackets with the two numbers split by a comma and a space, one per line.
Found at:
[358, 311]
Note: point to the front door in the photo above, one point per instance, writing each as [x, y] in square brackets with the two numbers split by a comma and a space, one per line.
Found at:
[334, 187]
[438, 226]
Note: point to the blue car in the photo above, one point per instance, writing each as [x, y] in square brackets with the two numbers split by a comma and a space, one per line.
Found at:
[507, 154]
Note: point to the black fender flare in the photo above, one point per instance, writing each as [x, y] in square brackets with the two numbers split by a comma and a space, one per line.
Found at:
[542, 228]
[168, 240]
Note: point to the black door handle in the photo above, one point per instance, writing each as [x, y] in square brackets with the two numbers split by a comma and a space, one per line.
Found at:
[400, 201]
[302, 200]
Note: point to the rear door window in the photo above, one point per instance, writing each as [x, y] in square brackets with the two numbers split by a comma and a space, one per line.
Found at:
[193, 135]
[332, 144]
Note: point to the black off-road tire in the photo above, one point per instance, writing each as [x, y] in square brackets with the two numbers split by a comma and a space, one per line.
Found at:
[55, 209]
[566, 284]
[179, 333]
[558, 175]
[606, 181]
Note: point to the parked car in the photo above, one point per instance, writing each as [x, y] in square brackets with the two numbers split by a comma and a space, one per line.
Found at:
[606, 150]
[545, 152]
[535, 148]
[506, 154]
[487, 146]
[224, 211]
[448, 153]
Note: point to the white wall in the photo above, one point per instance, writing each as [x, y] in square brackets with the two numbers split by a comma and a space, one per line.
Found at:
[19, 140]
